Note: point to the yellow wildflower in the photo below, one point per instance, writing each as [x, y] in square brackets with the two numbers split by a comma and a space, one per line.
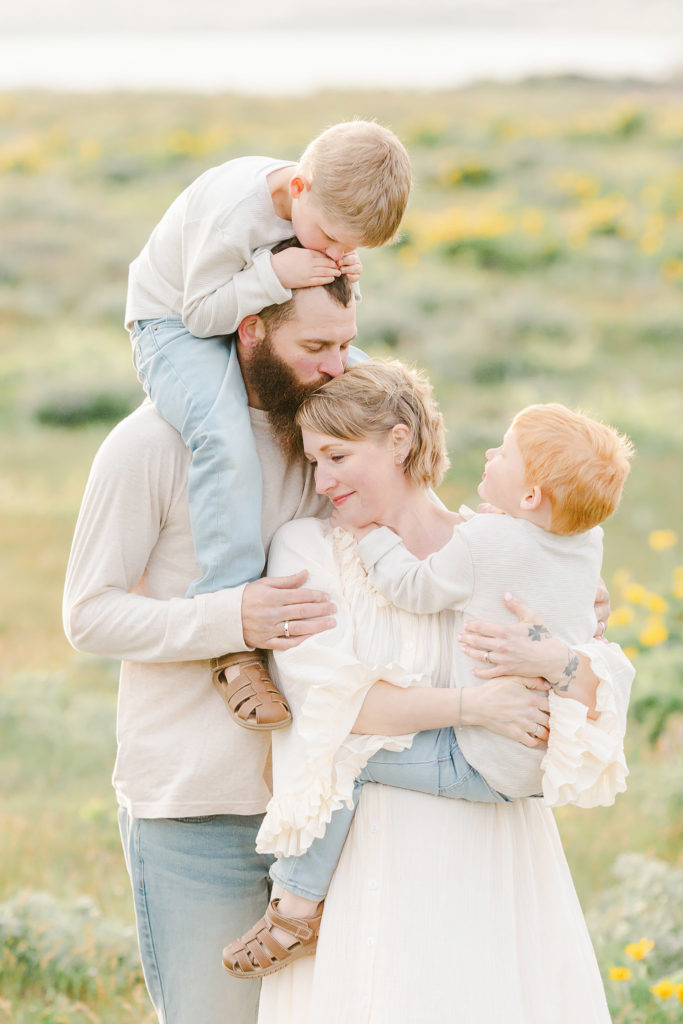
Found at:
[656, 603]
[619, 973]
[637, 950]
[635, 593]
[662, 540]
[621, 616]
[654, 633]
[679, 993]
[677, 585]
[672, 270]
[621, 577]
[631, 653]
[663, 989]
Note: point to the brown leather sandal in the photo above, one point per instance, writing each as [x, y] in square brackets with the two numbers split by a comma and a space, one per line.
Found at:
[257, 953]
[251, 696]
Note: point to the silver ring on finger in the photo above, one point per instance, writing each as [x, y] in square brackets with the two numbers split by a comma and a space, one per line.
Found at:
[285, 626]
[487, 657]
[601, 622]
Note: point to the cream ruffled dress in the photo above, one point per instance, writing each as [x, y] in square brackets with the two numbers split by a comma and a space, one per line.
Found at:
[440, 910]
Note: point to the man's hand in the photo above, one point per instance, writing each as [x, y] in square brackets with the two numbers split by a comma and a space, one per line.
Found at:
[303, 268]
[351, 265]
[277, 614]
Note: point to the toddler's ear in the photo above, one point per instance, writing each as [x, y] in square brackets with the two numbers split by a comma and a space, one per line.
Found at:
[298, 185]
[532, 500]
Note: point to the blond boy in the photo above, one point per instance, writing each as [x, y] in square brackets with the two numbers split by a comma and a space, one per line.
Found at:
[206, 266]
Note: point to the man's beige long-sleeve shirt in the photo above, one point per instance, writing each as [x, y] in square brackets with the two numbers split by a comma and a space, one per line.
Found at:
[132, 560]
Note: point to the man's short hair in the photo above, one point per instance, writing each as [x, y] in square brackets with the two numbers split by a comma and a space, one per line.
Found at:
[360, 179]
[579, 464]
[339, 289]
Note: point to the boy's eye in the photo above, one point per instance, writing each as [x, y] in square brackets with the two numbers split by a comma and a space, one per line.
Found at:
[336, 458]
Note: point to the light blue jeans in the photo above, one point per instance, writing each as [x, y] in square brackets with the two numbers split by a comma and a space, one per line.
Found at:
[197, 883]
[196, 385]
[433, 764]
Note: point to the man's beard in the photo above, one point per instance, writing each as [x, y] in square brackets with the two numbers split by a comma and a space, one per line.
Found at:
[280, 393]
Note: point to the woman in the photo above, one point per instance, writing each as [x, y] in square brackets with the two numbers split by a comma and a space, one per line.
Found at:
[438, 908]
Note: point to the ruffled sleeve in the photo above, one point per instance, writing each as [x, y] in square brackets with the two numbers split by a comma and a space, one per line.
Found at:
[316, 760]
[585, 763]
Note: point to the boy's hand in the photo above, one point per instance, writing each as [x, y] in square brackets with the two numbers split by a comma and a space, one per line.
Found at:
[351, 265]
[303, 268]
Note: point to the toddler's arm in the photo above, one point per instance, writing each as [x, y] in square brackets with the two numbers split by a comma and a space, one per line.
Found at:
[444, 580]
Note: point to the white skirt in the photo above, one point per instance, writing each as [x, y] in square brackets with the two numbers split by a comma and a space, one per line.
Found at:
[442, 910]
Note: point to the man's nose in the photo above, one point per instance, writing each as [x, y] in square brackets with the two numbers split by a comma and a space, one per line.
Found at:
[333, 363]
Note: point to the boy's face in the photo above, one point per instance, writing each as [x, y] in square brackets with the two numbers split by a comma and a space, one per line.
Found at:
[317, 231]
[503, 483]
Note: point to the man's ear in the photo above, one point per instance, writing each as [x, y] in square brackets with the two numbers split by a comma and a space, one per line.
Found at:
[532, 500]
[299, 184]
[251, 331]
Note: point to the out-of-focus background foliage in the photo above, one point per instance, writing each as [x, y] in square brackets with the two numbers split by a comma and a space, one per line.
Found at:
[541, 260]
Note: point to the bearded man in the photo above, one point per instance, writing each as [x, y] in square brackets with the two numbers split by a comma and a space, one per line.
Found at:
[190, 783]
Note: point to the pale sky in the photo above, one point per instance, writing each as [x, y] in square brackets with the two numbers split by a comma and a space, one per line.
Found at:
[68, 16]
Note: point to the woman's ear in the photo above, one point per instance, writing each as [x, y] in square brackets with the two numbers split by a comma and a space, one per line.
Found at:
[400, 440]
[251, 331]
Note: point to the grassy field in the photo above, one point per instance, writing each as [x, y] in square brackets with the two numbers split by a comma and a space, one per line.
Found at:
[541, 259]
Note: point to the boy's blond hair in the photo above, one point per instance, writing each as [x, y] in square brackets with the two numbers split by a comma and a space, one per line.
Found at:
[579, 464]
[360, 178]
[371, 398]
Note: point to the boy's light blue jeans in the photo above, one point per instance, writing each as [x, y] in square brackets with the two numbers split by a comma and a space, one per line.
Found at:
[196, 884]
[196, 385]
[433, 764]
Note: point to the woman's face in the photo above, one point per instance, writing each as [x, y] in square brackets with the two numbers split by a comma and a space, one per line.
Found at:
[361, 478]
[503, 483]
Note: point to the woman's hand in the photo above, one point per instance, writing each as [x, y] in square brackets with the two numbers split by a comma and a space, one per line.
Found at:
[510, 706]
[602, 609]
[525, 648]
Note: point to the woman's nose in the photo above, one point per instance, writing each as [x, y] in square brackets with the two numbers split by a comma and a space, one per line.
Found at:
[324, 481]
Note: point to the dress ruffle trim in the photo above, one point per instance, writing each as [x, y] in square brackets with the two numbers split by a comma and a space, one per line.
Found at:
[293, 820]
[585, 763]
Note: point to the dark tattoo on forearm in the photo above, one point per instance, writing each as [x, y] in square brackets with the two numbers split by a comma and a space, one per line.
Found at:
[568, 674]
[539, 632]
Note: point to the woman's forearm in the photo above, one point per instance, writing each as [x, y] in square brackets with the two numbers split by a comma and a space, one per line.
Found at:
[570, 674]
[506, 706]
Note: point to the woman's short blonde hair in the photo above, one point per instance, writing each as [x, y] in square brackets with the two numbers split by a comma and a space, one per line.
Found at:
[579, 464]
[371, 398]
[360, 178]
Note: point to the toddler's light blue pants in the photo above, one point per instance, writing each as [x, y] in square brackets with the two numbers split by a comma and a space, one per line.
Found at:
[433, 764]
[196, 385]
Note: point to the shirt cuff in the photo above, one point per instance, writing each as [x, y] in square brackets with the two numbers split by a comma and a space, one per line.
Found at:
[221, 614]
[377, 544]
